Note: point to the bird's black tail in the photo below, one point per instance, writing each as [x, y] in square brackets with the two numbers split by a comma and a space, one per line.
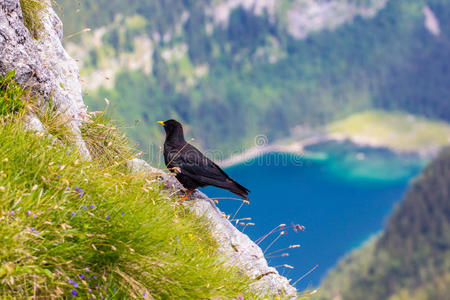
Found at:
[237, 189]
[230, 185]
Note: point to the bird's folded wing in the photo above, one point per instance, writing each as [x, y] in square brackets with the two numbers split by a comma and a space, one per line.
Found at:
[194, 163]
[204, 170]
[198, 167]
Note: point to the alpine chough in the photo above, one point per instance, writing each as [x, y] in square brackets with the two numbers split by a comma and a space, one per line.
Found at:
[192, 168]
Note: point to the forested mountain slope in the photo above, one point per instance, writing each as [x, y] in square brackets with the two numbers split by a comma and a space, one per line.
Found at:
[241, 68]
[411, 259]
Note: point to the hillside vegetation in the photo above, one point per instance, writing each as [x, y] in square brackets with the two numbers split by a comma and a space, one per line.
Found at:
[91, 229]
[398, 131]
[249, 74]
[411, 259]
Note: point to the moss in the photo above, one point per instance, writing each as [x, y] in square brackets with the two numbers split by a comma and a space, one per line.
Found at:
[31, 19]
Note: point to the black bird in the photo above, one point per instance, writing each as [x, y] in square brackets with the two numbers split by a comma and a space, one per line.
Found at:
[192, 168]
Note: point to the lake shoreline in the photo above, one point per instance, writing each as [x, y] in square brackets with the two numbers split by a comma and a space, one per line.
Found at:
[298, 148]
[295, 148]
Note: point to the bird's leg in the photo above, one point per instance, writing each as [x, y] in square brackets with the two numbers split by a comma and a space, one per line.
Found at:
[186, 196]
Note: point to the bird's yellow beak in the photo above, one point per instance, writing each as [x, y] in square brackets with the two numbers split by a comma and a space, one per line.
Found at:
[161, 122]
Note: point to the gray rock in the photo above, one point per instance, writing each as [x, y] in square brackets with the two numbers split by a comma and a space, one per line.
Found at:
[42, 64]
[236, 246]
[34, 124]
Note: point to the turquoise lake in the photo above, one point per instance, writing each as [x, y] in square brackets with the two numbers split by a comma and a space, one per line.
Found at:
[341, 193]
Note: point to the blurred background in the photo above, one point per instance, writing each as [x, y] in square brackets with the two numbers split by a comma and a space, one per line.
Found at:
[334, 113]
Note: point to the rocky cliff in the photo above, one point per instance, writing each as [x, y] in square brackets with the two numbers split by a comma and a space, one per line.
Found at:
[42, 64]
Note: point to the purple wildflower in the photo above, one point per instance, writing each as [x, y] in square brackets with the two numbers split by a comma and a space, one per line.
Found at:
[32, 229]
[122, 213]
[28, 212]
[73, 213]
[144, 294]
[34, 216]
[90, 291]
[12, 213]
[75, 284]
[240, 297]
[84, 206]
[59, 166]
[81, 276]
[70, 281]
[107, 217]
[114, 291]
[92, 206]
[87, 270]
[94, 276]
[58, 176]
[74, 293]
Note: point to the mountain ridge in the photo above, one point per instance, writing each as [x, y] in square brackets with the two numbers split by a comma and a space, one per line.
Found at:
[260, 78]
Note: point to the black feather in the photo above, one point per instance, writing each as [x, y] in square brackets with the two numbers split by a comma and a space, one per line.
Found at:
[192, 167]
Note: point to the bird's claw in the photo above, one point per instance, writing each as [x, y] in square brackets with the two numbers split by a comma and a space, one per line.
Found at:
[186, 196]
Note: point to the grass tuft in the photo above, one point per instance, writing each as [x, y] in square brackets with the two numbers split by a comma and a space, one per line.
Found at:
[55, 122]
[105, 141]
[13, 98]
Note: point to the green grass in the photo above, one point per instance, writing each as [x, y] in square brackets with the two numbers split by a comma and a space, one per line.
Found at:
[13, 98]
[105, 141]
[70, 226]
[56, 123]
[394, 130]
